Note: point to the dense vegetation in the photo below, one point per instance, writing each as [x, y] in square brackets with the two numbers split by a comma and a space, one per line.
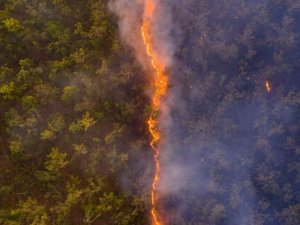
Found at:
[72, 114]
[73, 139]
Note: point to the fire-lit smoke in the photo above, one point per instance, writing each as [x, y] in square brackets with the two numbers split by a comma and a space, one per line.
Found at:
[145, 26]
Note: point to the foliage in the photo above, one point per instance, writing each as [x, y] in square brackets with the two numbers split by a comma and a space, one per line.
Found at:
[57, 107]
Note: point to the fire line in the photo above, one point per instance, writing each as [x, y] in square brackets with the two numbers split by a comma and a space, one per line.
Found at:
[160, 84]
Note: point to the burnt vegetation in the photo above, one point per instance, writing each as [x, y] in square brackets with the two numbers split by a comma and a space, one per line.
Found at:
[236, 142]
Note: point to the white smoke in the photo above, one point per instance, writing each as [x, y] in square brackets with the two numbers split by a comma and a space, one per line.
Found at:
[130, 15]
[130, 18]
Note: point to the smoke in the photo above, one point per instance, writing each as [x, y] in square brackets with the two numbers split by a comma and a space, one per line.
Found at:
[129, 19]
[130, 16]
[223, 159]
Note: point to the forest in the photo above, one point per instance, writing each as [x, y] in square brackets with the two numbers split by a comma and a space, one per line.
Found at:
[72, 117]
[74, 104]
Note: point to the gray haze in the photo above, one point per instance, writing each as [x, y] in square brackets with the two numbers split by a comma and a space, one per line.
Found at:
[227, 154]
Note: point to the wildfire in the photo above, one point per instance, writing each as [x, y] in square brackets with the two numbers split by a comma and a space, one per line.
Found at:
[268, 86]
[160, 83]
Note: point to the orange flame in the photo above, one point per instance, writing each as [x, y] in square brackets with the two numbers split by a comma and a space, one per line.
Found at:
[268, 86]
[160, 83]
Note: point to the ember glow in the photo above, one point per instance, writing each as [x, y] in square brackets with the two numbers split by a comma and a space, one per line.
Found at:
[268, 86]
[160, 84]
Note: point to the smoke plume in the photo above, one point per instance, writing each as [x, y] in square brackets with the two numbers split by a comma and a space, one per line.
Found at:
[227, 148]
[130, 15]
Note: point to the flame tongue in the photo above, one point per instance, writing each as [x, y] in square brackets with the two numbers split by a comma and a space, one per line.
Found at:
[268, 86]
[160, 83]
